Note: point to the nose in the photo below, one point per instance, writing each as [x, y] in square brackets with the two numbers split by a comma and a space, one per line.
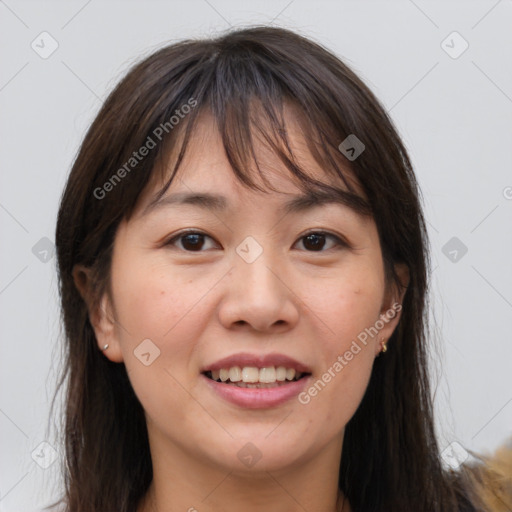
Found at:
[258, 297]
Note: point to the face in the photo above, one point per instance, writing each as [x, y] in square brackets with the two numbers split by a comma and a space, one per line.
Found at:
[203, 290]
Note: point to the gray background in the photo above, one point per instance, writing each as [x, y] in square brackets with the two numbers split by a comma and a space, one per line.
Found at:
[454, 115]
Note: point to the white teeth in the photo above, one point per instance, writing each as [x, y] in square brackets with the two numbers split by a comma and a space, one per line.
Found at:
[235, 374]
[280, 373]
[248, 376]
[268, 374]
[290, 373]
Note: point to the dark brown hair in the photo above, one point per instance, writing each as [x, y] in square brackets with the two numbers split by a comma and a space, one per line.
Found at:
[390, 455]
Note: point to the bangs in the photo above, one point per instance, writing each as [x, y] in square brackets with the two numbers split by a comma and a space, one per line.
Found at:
[252, 98]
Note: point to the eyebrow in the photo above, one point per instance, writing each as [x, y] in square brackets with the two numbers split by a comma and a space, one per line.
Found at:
[297, 204]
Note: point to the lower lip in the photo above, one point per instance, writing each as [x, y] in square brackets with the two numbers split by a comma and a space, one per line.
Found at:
[253, 398]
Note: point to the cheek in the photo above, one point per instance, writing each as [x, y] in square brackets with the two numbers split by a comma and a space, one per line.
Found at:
[150, 300]
[166, 305]
[156, 304]
[347, 304]
[346, 309]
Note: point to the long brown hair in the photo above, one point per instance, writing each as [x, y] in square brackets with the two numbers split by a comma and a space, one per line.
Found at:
[390, 458]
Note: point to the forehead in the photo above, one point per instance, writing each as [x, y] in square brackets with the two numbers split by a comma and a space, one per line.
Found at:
[206, 166]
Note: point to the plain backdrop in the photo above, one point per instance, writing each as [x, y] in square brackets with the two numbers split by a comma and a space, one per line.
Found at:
[450, 96]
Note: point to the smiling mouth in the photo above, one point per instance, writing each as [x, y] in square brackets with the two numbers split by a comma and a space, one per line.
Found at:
[255, 378]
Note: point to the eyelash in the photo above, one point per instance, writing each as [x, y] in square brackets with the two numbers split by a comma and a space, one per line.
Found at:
[339, 242]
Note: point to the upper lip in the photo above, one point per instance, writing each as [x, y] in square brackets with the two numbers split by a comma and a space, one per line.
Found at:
[257, 360]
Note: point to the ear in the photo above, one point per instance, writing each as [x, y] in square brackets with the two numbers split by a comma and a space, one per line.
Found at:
[391, 309]
[101, 315]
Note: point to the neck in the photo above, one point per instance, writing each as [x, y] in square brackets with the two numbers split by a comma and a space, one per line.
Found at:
[182, 483]
[234, 500]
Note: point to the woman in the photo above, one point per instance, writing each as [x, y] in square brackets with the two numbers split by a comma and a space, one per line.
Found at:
[243, 272]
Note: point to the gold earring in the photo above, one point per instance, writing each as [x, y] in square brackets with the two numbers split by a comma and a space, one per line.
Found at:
[383, 346]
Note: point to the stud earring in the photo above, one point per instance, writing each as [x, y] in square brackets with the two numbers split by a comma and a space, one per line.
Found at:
[383, 346]
[105, 347]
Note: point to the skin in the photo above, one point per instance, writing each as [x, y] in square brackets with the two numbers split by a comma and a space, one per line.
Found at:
[200, 306]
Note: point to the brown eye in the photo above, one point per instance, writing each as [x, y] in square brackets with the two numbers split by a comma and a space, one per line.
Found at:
[191, 241]
[316, 241]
